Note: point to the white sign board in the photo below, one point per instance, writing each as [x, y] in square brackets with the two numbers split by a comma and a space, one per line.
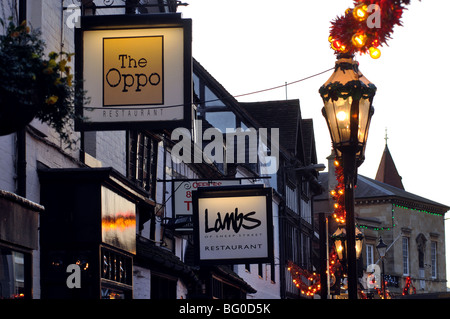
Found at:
[233, 225]
[135, 74]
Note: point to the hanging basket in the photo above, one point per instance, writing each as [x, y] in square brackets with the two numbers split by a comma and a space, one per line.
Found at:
[35, 85]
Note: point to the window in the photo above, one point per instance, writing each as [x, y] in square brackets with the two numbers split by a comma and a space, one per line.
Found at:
[305, 252]
[405, 251]
[224, 121]
[116, 267]
[433, 259]
[12, 275]
[142, 157]
[369, 254]
[163, 287]
[291, 199]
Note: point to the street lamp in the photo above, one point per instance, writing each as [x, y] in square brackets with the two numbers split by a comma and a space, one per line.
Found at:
[340, 242]
[347, 97]
[382, 248]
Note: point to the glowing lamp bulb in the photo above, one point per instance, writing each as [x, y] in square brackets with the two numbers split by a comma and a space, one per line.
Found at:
[375, 53]
[360, 12]
[341, 116]
[336, 45]
[359, 40]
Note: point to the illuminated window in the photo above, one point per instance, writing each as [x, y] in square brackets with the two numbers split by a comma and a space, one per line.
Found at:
[142, 158]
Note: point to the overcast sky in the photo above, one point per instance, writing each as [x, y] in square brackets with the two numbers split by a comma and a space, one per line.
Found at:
[254, 45]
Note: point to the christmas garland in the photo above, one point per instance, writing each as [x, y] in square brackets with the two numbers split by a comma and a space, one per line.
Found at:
[409, 289]
[308, 282]
[367, 26]
[337, 194]
[356, 89]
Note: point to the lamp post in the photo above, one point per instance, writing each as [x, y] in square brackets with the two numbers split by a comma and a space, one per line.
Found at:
[381, 248]
[347, 97]
[340, 242]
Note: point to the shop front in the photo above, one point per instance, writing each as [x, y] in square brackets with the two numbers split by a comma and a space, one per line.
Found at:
[90, 225]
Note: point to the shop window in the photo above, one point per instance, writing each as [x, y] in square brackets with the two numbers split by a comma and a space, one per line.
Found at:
[116, 267]
[142, 160]
[111, 293]
[163, 287]
[13, 268]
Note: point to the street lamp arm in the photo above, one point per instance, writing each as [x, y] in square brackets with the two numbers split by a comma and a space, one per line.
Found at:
[389, 246]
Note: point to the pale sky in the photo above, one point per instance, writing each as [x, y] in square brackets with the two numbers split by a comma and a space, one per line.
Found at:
[254, 45]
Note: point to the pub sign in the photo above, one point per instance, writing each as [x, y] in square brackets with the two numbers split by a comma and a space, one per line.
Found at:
[233, 224]
[136, 71]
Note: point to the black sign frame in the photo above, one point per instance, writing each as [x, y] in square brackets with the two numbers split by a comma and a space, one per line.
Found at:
[139, 21]
[233, 191]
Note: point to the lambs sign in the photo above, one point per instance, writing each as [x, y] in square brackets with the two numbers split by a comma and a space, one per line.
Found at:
[233, 224]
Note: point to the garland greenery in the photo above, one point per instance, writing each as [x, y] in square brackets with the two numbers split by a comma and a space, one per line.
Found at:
[355, 89]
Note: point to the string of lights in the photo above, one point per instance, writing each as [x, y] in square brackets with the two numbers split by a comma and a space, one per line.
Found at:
[212, 100]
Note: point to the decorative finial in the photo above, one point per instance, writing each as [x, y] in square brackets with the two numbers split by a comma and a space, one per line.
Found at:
[386, 135]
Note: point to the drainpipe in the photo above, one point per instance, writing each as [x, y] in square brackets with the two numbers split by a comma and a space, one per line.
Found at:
[22, 135]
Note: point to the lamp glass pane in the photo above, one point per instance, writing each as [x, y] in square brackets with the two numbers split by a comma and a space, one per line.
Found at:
[339, 248]
[338, 116]
[363, 121]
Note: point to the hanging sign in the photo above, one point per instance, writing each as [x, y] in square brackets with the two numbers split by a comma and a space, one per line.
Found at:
[233, 224]
[182, 197]
[136, 71]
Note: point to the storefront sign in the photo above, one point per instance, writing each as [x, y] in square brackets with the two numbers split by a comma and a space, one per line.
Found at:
[136, 71]
[182, 196]
[233, 224]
